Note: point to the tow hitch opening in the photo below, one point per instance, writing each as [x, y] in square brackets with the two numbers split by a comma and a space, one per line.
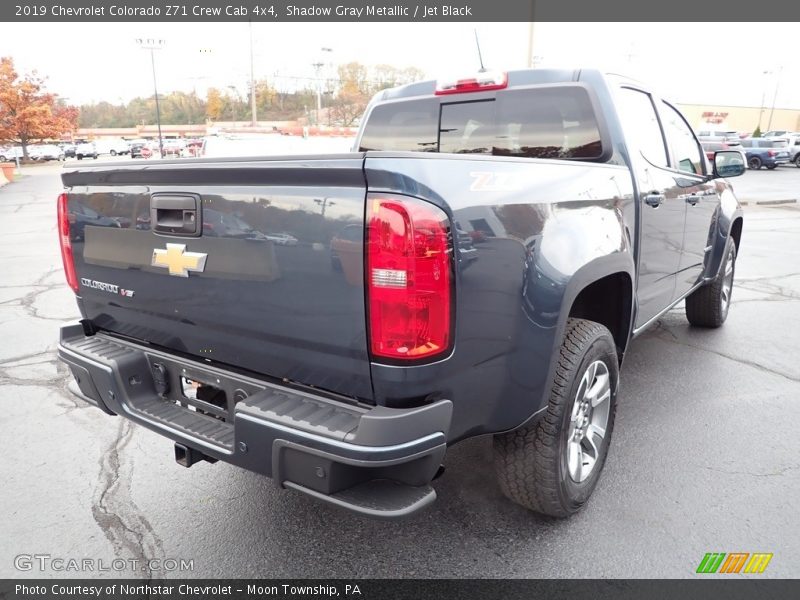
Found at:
[186, 456]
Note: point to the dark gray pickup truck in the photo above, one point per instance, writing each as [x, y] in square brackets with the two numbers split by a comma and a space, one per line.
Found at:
[477, 265]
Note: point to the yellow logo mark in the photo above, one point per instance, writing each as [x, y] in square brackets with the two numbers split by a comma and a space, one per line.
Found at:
[178, 261]
[758, 563]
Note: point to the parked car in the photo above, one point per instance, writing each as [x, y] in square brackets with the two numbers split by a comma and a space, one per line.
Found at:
[174, 148]
[776, 133]
[711, 148]
[350, 389]
[709, 135]
[85, 150]
[793, 145]
[10, 153]
[45, 152]
[80, 216]
[68, 150]
[282, 239]
[766, 152]
[136, 148]
[194, 147]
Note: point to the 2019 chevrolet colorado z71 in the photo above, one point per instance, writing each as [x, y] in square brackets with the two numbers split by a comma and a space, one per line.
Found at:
[477, 265]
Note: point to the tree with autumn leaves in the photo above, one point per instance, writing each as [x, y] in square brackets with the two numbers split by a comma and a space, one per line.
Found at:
[28, 113]
[358, 83]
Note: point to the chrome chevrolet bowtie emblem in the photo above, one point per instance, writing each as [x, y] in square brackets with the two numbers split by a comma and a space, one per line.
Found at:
[178, 261]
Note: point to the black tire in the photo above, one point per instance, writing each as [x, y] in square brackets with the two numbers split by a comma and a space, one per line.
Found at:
[708, 306]
[94, 156]
[754, 162]
[797, 161]
[113, 153]
[79, 156]
[532, 462]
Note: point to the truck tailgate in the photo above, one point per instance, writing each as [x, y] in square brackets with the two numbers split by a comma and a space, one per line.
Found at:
[251, 263]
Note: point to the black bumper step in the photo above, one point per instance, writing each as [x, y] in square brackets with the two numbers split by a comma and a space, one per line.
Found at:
[189, 422]
[373, 460]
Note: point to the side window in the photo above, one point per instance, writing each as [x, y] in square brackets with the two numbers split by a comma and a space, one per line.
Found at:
[642, 130]
[685, 148]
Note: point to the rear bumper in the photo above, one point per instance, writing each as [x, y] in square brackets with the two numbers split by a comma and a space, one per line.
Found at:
[373, 460]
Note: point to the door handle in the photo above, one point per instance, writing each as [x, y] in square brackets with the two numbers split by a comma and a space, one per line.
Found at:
[654, 199]
[692, 199]
[175, 214]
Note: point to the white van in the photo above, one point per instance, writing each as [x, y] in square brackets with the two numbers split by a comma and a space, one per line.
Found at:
[112, 147]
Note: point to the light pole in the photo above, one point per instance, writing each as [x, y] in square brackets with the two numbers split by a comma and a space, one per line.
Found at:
[253, 118]
[774, 97]
[153, 44]
[233, 102]
[531, 29]
[324, 203]
[317, 68]
[763, 97]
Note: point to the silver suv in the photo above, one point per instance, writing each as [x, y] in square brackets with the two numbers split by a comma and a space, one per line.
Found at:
[793, 141]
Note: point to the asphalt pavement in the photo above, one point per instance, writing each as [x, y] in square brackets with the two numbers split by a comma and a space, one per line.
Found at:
[704, 456]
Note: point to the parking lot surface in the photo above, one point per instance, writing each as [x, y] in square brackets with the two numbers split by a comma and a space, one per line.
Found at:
[704, 457]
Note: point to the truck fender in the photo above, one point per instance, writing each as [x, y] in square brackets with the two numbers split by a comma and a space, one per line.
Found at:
[590, 273]
[726, 222]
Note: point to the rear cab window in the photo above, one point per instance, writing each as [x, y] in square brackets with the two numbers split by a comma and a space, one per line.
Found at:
[536, 122]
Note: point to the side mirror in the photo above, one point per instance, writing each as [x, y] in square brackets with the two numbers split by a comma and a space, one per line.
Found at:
[728, 163]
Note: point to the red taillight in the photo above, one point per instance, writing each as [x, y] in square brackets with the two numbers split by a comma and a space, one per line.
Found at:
[65, 243]
[480, 83]
[772, 152]
[409, 278]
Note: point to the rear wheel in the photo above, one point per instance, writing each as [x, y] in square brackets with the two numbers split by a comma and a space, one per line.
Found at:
[754, 163]
[552, 467]
[797, 161]
[113, 153]
[708, 306]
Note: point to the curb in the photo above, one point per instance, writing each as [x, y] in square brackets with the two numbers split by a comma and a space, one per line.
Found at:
[776, 202]
[768, 202]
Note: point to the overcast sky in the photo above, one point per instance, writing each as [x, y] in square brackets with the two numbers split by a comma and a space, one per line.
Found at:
[708, 63]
